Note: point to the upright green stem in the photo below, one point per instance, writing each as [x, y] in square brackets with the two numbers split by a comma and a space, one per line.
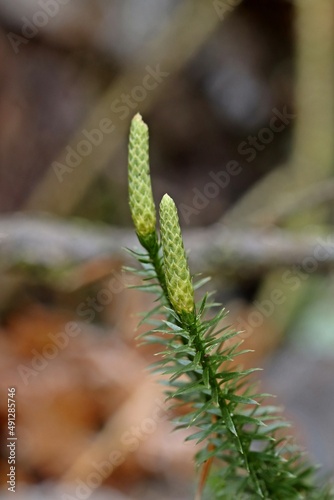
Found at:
[157, 264]
[218, 398]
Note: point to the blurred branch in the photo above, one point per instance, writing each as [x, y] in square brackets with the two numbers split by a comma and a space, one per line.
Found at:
[44, 241]
[291, 204]
[260, 196]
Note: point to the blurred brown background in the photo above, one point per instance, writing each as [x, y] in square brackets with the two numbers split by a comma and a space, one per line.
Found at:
[238, 96]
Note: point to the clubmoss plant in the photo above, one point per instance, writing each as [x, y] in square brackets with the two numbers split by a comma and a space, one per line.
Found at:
[239, 432]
